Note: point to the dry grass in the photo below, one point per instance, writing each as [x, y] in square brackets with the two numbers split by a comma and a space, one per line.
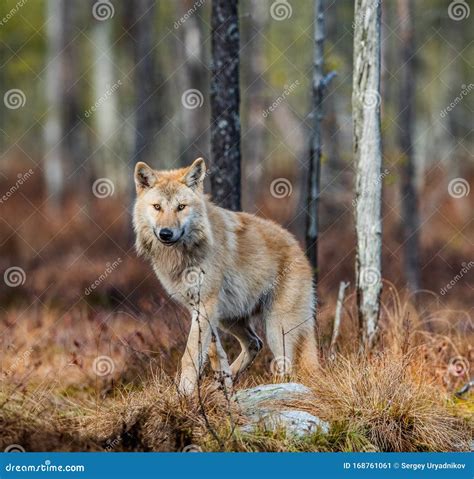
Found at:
[399, 398]
[157, 418]
[385, 402]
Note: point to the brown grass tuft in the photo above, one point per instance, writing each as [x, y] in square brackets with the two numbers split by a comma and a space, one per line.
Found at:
[157, 418]
[385, 402]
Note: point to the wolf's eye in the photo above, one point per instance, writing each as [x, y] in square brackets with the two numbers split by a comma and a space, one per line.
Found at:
[157, 207]
[181, 207]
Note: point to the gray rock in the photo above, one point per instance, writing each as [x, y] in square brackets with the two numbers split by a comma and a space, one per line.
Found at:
[267, 407]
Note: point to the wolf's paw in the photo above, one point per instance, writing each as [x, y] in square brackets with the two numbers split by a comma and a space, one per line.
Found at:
[222, 381]
[187, 385]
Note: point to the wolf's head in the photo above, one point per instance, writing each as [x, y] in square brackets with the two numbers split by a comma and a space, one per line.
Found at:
[170, 206]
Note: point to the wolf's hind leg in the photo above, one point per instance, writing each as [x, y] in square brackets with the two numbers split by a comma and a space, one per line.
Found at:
[282, 344]
[250, 343]
[219, 361]
[289, 322]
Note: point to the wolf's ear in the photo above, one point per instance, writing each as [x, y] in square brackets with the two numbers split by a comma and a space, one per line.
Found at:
[144, 176]
[195, 174]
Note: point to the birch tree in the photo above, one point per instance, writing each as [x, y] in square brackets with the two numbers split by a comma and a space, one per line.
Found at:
[320, 81]
[254, 147]
[368, 158]
[225, 103]
[54, 170]
[406, 121]
[104, 79]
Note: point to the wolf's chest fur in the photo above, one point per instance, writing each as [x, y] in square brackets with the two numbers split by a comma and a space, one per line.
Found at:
[189, 284]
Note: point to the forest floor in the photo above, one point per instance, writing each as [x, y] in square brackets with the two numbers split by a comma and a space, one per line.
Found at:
[90, 343]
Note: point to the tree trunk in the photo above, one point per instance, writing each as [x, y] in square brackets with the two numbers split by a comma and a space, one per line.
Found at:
[314, 178]
[368, 157]
[75, 139]
[409, 197]
[146, 80]
[54, 169]
[105, 115]
[254, 146]
[225, 101]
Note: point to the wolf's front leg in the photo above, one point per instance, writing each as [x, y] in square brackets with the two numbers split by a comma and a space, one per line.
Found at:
[196, 353]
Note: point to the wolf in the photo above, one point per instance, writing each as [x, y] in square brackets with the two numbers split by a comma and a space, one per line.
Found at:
[229, 269]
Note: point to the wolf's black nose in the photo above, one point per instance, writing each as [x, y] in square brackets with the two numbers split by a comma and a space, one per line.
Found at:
[166, 234]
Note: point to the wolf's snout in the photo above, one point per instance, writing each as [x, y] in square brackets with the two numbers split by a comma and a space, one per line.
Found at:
[166, 234]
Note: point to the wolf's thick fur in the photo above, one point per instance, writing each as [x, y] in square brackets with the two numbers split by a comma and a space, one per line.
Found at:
[228, 269]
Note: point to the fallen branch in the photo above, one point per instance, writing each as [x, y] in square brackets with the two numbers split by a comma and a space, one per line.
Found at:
[337, 317]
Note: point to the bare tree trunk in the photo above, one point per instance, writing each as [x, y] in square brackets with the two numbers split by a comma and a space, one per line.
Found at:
[319, 84]
[105, 83]
[409, 197]
[75, 139]
[225, 102]
[54, 169]
[254, 146]
[368, 157]
[146, 79]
